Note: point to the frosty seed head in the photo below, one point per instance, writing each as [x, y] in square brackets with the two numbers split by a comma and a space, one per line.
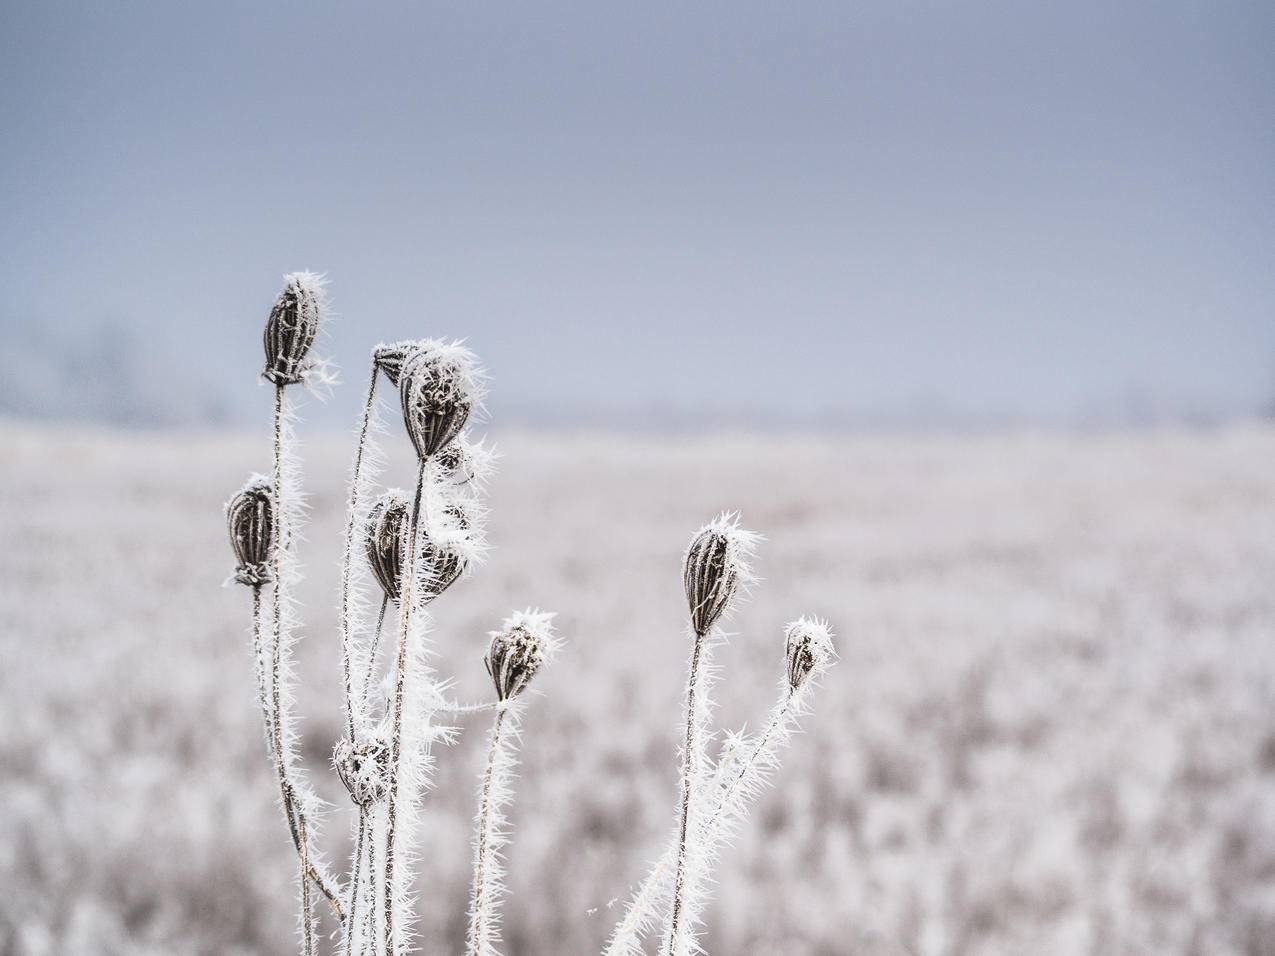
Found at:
[439, 385]
[292, 325]
[250, 521]
[390, 358]
[384, 536]
[518, 650]
[444, 555]
[809, 648]
[363, 768]
[716, 569]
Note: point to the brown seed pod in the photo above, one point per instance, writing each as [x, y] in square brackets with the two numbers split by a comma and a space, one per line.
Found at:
[716, 568]
[808, 645]
[250, 521]
[291, 328]
[436, 386]
[513, 658]
[363, 768]
[442, 562]
[390, 358]
[383, 542]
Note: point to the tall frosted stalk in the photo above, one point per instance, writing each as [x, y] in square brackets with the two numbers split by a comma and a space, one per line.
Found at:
[406, 603]
[516, 653]
[715, 570]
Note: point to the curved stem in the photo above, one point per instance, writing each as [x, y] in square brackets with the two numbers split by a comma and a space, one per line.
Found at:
[400, 676]
[347, 558]
[690, 764]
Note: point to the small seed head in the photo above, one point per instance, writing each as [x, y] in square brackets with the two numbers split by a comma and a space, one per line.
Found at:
[292, 326]
[442, 560]
[716, 569]
[390, 358]
[250, 521]
[363, 768]
[438, 387]
[384, 537]
[809, 649]
[518, 651]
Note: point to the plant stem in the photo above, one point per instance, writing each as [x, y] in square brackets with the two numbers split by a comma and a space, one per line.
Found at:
[400, 676]
[347, 558]
[376, 643]
[296, 818]
[480, 919]
[354, 882]
[690, 768]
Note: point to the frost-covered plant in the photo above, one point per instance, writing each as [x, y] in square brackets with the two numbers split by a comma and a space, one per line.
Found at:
[409, 550]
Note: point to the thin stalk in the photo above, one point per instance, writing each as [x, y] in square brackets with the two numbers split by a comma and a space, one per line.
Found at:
[354, 882]
[400, 676]
[347, 558]
[369, 919]
[480, 920]
[307, 908]
[690, 768]
[296, 818]
[376, 642]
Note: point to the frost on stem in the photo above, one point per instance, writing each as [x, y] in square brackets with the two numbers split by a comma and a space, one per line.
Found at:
[517, 652]
[746, 765]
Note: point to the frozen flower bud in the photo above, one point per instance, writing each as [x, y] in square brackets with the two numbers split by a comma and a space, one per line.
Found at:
[445, 554]
[809, 648]
[390, 358]
[292, 325]
[439, 386]
[250, 521]
[383, 540]
[466, 461]
[518, 650]
[716, 569]
[363, 768]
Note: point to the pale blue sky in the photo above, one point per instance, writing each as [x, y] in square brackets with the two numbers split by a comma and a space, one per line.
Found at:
[749, 212]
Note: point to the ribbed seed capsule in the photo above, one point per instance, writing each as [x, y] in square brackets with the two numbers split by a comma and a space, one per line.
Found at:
[390, 358]
[383, 542]
[442, 566]
[250, 521]
[291, 328]
[436, 402]
[513, 658]
[363, 768]
[809, 647]
[711, 578]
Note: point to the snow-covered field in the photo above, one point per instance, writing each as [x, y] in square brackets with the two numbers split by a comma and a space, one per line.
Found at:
[1052, 729]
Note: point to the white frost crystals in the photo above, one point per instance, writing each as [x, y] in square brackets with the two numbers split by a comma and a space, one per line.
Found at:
[407, 551]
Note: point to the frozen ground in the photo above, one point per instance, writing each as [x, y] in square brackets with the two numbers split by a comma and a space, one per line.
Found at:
[1052, 729]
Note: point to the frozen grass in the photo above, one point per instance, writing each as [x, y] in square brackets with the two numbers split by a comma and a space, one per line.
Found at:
[1052, 729]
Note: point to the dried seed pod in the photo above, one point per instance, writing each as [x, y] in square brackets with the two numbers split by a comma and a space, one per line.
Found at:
[292, 325]
[363, 768]
[443, 557]
[716, 568]
[383, 542]
[390, 358]
[438, 386]
[518, 651]
[808, 644]
[250, 521]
